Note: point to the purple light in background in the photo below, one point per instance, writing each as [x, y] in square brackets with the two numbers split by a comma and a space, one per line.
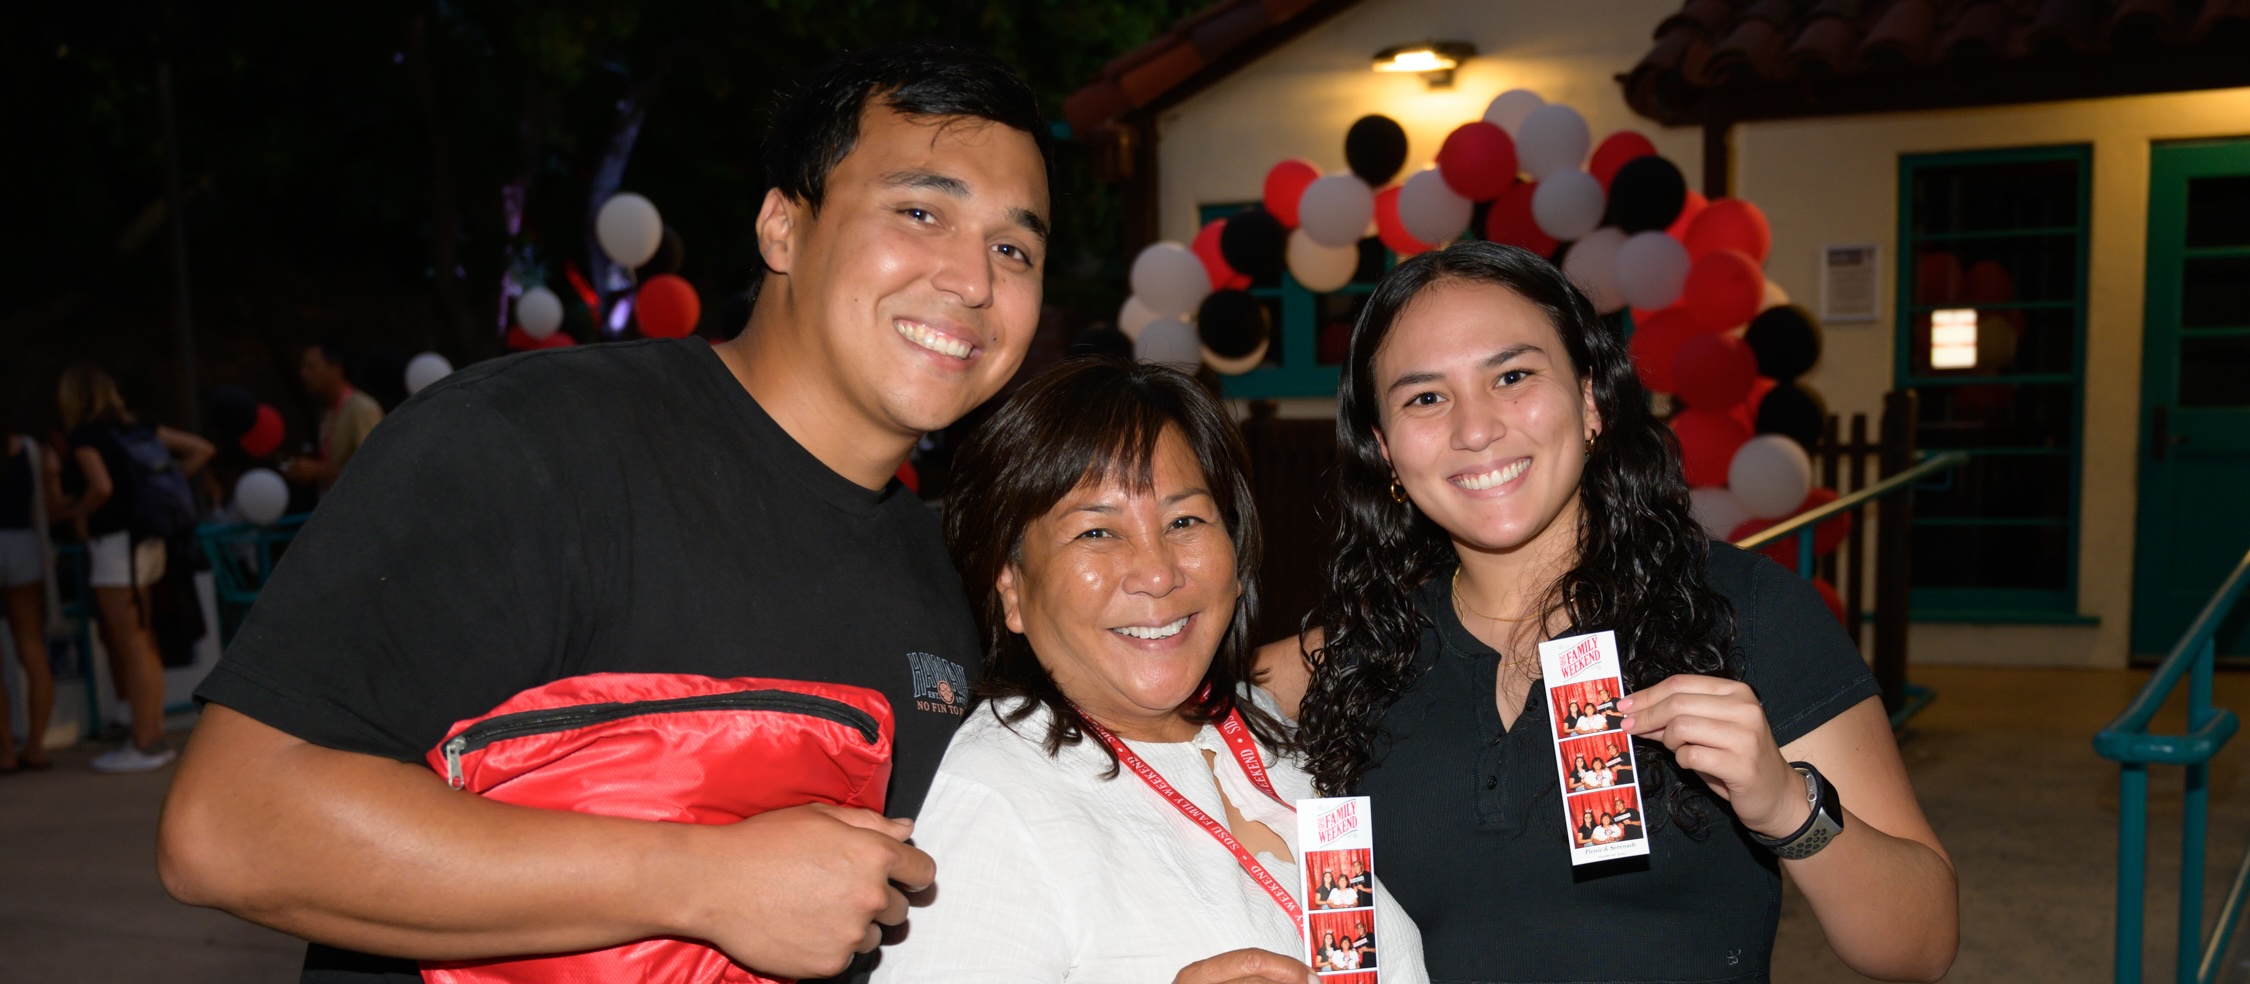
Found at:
[619, 314]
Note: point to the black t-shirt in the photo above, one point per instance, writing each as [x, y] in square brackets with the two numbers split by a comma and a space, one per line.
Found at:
[1469, 821]
[616, 508]
[115, 514]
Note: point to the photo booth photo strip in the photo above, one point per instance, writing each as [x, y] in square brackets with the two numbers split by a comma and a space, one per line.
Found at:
[1336, 837]
[1585, 674]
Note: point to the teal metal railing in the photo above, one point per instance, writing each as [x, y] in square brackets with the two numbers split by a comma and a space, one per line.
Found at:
[2127, 741]
[1912, 699]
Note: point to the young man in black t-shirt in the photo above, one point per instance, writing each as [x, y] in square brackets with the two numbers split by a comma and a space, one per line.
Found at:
[655, 507]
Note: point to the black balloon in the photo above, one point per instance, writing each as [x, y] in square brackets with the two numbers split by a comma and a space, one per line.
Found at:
[1231, 323]
[1103, 342]
[671, 254]
[1786, 340]
[1646, 194]
[1254, 243]
[1376, 149]
[1794, 411]
[232, 411]
[733, 314]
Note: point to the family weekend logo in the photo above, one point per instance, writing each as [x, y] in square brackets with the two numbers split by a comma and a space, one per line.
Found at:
[1344, 820]
[1586, 653]
[939, 684]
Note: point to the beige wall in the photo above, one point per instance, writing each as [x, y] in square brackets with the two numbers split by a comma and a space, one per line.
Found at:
[1819, 181]
[1836, 181]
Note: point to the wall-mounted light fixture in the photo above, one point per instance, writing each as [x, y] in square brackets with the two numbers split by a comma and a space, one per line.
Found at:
[1433, 60]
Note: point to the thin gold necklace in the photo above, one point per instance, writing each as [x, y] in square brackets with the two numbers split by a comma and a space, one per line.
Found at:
[1464, 603]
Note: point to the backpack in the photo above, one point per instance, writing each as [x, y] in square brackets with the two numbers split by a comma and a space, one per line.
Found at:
[163, 505]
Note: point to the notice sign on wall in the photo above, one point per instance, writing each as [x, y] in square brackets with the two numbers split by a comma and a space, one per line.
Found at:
[1848, 283]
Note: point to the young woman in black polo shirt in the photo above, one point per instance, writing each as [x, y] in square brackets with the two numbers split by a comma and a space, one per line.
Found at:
[1502, 482]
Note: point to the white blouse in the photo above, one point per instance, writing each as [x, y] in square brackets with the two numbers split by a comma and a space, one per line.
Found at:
[1047, 872]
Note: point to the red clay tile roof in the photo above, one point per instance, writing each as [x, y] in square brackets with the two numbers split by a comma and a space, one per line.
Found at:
[1197, 51]
[1729, 60]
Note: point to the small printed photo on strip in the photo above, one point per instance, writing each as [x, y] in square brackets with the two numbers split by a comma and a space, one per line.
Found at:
[1606, 816]
[1344, 941]
[1339, 879]
[1587, 707]
[1596, 762]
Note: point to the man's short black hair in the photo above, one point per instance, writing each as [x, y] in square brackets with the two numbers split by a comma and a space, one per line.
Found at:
[817, 125]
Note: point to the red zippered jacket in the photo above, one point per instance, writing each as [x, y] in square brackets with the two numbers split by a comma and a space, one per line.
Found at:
[671, 747]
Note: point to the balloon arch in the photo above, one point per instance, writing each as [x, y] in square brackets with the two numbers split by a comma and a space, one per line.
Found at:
[1707, 327]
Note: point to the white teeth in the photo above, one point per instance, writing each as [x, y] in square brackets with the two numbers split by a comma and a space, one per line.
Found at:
[1500, 476]
[934, 341]
[1157, 632]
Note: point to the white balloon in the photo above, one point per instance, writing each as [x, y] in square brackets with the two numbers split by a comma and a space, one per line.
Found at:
[1652, 269]
[261, 496]
[1236, 367]
[1509, 108]
[1717, 510]
[629, 229]
[1318, 268]
[1771, 476]
[1169, 341]
[1567, 204]
[1775, 297]
[1336, 210]
[1553, 138]
[1134, 316]
[1592, 265]
[539, 311]
[1169, 279]
[1430, 210]
[424, 369]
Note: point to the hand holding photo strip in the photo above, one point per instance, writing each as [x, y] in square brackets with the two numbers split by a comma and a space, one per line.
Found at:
[1594, 758]
[1337, 837]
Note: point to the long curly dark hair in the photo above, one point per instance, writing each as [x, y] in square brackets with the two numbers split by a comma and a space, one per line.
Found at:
[1641, 555]
[1096, 420]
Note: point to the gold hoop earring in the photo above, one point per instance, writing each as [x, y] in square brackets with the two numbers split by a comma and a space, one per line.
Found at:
[1398, 492]
[1590, 445]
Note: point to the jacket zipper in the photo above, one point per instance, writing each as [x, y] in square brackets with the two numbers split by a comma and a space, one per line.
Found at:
[525, 723]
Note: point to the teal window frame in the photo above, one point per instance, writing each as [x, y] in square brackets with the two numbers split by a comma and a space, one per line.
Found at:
[1300, 374]
[2004, 605]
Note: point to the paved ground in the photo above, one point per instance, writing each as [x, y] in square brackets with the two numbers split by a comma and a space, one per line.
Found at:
[2002, 762]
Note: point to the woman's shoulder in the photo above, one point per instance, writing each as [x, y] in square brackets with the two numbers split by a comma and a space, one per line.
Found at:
[1004, 753]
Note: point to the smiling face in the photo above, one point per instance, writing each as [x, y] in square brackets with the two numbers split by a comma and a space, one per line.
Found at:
[1125, 594]
[1484, 418]
[914, 290]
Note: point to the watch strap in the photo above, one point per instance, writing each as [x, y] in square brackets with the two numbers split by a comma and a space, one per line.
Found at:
[1822, 823]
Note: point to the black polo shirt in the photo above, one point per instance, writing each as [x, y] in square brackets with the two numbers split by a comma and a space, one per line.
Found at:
[1470, 831]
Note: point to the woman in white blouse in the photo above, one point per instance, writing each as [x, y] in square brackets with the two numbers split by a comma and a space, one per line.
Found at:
[1103, 527]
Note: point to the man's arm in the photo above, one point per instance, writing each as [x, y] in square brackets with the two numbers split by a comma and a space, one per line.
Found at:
[372, 854]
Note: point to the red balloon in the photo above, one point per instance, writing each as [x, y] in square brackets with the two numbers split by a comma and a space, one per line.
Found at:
[1510, 221]
[1615, 150]
[1723, 289]
[909, 477]
[667, 307]
[1828, 534]
[519, 340]
[1746, 412]
[1713, 371]
[1285, 184]
[1478, 161]
[1988, 283]
[1708, 441]
[1656, 343]
[264, 436]
[557, 340]
[1696, 203]
[1937, 278]
[1730, 223]
[1390, 230]
[1206, 247]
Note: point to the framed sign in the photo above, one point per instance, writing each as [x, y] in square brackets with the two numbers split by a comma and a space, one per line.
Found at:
[1848, 283]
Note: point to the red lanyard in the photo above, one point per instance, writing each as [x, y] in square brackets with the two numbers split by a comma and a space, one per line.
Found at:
[1246, 752]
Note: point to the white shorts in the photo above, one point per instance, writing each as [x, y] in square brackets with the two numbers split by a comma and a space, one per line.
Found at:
[19, 558]
[114, 561]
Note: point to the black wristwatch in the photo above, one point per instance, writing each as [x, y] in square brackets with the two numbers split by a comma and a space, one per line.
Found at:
[1822, 826]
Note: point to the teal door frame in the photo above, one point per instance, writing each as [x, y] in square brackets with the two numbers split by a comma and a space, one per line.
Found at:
[2191, 525]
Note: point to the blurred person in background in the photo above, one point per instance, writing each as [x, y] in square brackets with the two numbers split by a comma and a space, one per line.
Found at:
[124, 464]
[346, 416]
[28, 481]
